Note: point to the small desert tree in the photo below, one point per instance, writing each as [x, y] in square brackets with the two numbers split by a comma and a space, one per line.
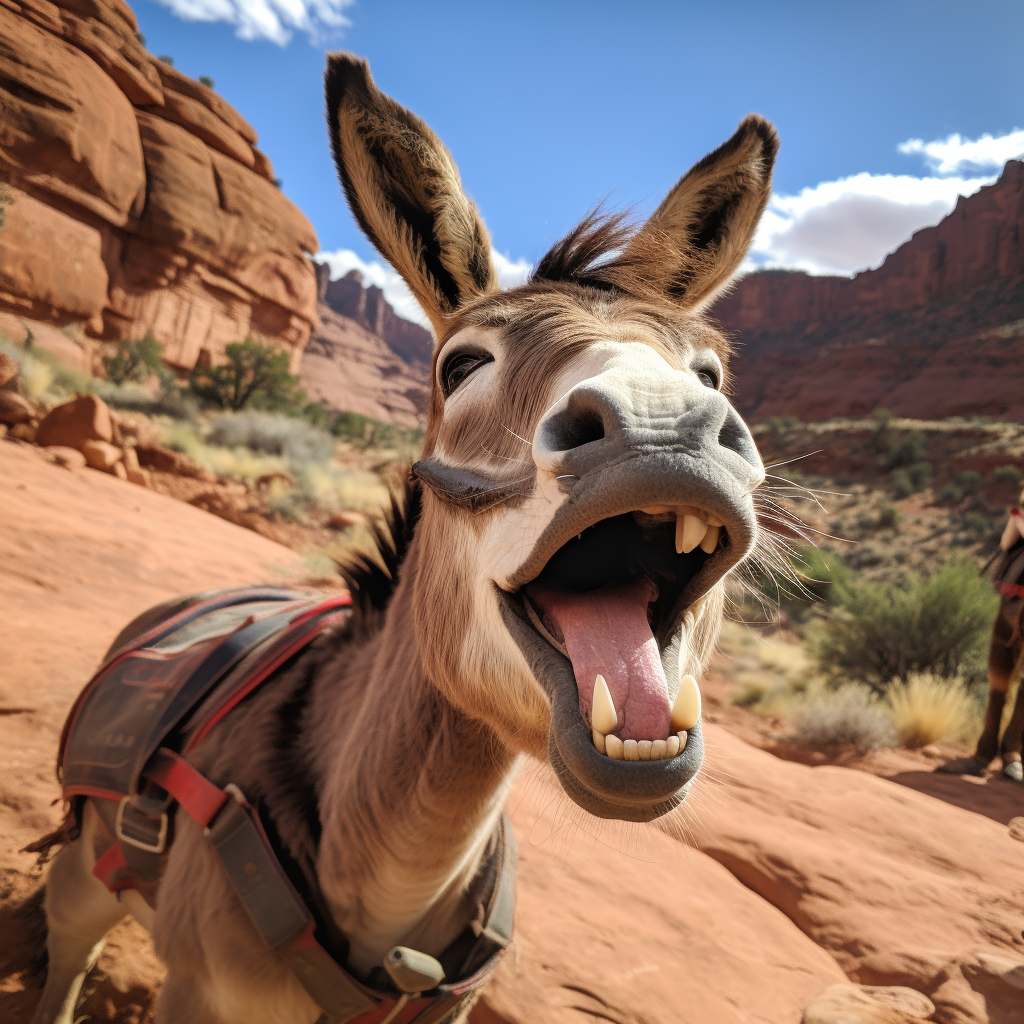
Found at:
[253, 375]
[5, 200]
[133, 360]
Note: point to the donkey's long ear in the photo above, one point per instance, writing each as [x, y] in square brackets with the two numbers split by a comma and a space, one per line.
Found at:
[404, 190]
[699, 235]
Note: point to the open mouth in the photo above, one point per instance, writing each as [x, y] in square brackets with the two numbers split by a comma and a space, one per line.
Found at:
[599, 624]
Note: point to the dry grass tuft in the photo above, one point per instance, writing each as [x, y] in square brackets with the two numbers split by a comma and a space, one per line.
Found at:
[929, 708]
[850, 715]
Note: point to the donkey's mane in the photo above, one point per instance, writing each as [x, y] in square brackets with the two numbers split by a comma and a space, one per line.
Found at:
[587, 252]
[372, 576]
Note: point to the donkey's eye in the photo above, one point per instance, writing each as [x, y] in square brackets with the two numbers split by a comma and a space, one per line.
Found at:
[458, 366]
[709, 378]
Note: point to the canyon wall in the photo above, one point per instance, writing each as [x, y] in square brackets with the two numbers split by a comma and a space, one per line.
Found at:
[140, 201]
[936, 330]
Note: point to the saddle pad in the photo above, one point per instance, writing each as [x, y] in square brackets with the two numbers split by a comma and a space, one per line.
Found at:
[140, 696]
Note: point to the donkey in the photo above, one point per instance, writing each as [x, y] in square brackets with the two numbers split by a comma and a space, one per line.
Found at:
[550, 584]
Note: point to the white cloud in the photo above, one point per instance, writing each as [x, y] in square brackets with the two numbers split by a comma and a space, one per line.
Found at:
[396, 291]
[849, 225]
[268, 19]
[955, 155]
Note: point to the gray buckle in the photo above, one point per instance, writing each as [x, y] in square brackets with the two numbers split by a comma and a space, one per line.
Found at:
[137, 840]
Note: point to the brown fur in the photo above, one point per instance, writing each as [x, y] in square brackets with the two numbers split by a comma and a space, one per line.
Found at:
[380, 759]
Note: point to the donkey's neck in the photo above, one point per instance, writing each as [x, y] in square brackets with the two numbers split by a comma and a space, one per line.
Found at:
[412, 791]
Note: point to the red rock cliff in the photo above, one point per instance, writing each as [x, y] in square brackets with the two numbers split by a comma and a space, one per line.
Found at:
[140, 201]
[935, 331]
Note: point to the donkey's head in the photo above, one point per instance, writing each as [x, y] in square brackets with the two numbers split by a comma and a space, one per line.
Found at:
[588, 484]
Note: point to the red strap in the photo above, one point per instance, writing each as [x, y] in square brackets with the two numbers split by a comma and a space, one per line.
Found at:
[1011, 590]
[200, 797]
[108, 865]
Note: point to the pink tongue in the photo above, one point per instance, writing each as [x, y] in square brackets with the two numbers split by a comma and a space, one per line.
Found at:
[606, 632]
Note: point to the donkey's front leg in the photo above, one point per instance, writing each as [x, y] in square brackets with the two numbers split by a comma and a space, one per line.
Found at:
[79, 913]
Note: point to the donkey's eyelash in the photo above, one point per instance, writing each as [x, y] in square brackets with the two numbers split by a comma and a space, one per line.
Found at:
[459, 365]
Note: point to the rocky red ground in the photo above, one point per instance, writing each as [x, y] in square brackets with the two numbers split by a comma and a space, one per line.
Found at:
[778, 885]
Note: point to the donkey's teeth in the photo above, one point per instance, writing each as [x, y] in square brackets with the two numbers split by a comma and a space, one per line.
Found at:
[602, 713]
[613, 747]
[599, 741]
[714, 521]
[681, 736]
[710, 541]
[629, 750]
[643, 748]
[690, 532]
[686, 708]
[659, 750]
[672, 745]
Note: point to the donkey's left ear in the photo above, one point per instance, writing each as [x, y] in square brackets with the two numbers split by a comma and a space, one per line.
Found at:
[405, 192]
[696, 239]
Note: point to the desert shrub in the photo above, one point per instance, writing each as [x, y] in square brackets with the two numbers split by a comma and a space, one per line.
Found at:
[969, 480]
[253, 375]
[1007, 475]
[300, 442]
[951, 494]
[927, 708]
[207, 81]
[134, 361]
[978, 526]
[167, 59]
[889, 517]
[881, 632]
[902, 487]
[849, 715]
[920, 474]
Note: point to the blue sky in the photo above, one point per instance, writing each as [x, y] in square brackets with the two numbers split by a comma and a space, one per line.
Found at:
[551, 106]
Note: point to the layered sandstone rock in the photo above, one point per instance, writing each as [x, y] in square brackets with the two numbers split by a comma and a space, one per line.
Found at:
[140, 202]
[346, 366]
[935, 331]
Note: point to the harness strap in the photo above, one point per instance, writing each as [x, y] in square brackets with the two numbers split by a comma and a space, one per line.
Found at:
[1011, 590]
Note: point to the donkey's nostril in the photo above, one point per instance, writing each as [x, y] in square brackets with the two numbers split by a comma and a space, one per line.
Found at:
[735, 436]
[571, 429]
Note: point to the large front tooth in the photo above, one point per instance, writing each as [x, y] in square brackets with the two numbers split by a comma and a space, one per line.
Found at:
[643, 749]
[672, 745]
[602, 711]
[599, 741]
[659, 750]
[686, 708]
[710, 541]
[613, 747]
[629, 750]
[690, 531]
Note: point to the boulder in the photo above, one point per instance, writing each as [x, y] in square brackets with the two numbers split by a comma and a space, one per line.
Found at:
[869, 1004]
[14, 408]
[101, 455]
[69, 458]
[137, 476]
[72, 424]
[118, 470]
[22, 432]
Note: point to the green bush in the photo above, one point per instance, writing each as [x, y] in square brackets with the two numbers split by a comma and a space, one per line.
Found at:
[969, 480]
[1007, 475]
[815, 574]
[939, 624]
[902, 486]
[254, 375]
[951, 494]
[134, 361]
[889, 517]
[207, 81]
[920, 474]
[5, 200]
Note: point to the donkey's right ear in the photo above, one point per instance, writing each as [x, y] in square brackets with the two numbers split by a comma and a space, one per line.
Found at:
[405, 192]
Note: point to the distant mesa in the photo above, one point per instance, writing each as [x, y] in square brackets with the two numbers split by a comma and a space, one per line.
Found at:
[936, 331]
[141, 203]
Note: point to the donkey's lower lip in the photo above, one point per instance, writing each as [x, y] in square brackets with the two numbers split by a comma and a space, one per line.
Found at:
[607, 788]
